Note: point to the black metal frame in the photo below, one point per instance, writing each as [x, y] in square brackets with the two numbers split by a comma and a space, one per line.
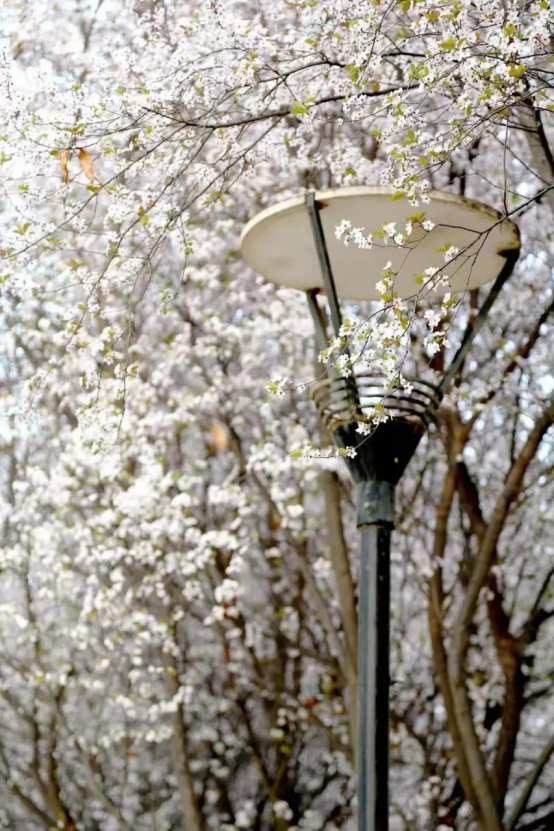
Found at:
[378, 466]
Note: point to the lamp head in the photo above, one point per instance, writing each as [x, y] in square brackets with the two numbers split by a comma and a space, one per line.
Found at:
[279, 244]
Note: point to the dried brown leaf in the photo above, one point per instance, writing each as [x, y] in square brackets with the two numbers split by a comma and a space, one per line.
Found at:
[220, 437]
[64, 165]
[86, 163]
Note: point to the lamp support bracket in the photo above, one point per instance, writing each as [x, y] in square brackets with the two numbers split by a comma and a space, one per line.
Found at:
[473, 330]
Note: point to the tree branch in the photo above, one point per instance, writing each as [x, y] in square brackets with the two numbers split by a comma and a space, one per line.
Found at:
[436, 620]
[530, 783]
[456, 662]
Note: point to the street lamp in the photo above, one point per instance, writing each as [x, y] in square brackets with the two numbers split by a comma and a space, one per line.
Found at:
[294, 244]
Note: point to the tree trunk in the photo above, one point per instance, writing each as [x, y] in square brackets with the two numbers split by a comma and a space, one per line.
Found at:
[345, 589]
[179, 756]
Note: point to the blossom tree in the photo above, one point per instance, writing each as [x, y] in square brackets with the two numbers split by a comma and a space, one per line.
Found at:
[178, 614]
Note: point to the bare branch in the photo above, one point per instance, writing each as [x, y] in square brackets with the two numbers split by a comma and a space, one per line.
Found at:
[530, 783]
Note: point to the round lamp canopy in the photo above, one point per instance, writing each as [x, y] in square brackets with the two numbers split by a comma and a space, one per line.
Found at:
[279, 242]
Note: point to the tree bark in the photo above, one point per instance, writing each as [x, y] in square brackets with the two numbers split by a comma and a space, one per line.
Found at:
[509, 650]
[530, 783]
[345, 588]
[436, 630]
[179, 755]
[541, 152]
[456, 661]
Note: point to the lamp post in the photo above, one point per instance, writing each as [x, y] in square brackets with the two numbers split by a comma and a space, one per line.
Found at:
[294, 244]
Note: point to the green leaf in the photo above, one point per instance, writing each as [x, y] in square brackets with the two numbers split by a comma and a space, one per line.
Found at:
[212, 198]
[354, 72]
[449, 44]
[79, 130]
[299, 109]
[517, 71]
[402, 32]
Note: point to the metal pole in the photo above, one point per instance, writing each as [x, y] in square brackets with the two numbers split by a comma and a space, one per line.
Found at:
[324, 262]
[319, 320]
[313, 208]
[375, 520]
[373, 689]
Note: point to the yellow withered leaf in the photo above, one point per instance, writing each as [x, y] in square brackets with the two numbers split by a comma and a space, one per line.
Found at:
[86, 163]
[220, 437]
[64, 165]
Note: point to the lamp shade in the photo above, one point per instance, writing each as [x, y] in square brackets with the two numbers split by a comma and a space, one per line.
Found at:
[279, 244]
